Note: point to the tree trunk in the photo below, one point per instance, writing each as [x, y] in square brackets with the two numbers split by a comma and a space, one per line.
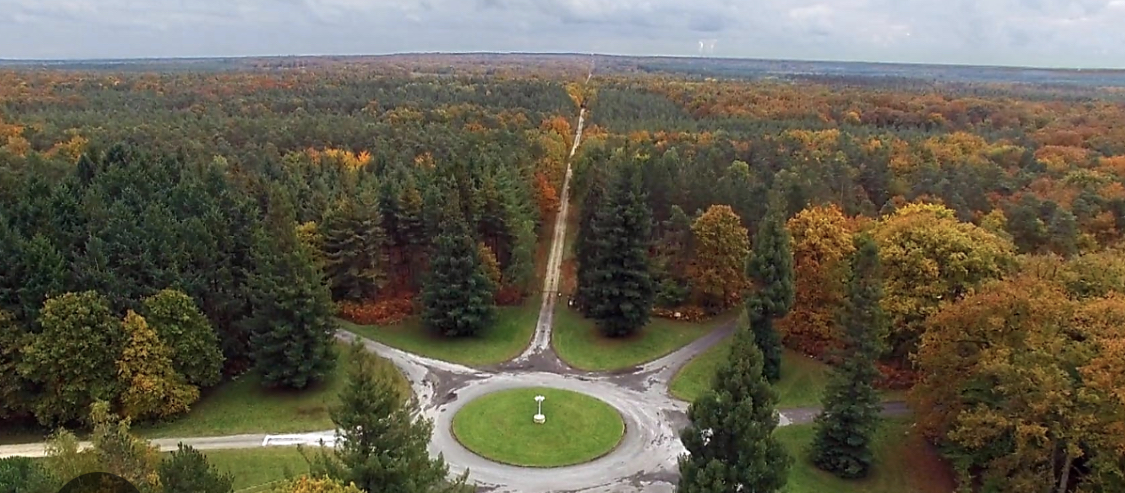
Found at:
[1064, 479]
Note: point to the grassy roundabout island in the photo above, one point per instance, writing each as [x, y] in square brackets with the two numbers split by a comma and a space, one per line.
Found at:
[499, 427]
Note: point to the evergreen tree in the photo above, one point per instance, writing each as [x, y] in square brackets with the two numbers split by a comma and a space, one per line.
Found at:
[182, 327]
[585, 248]
[844, 429]
[188, 471]
[771, 271]
[355, 263]
[151, 387]
[412, 227]
[73, 357]
[730, 442]
[43, 273]
[292, 328]
[382, 444]
[621, 290]
[457, 297]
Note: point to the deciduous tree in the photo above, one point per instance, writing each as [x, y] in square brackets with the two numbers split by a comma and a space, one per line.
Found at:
[73, 358]
[822, 243]
[1003, 386]
[193, 343]
[721, 247]
[931, 259]
[151, 387]
[305, 484]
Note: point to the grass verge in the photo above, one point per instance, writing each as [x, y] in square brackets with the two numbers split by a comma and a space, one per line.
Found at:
[802, 384]
[259, 466]
[504, 340]
[243, 406]
[904, 463]
[579, 343]
[499, 426]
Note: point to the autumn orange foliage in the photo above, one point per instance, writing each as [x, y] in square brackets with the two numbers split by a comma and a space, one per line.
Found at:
[385, 311]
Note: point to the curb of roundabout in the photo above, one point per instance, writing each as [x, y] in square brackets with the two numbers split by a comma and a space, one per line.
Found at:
[626, 429]
[645, 446]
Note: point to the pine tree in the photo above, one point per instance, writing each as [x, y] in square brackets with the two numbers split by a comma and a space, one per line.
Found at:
[382, 445]
[621, 290]
[457, 297]
[355, 262]
[730, 442]
[292, 333]
[151, 387]
[194, 344]
[771, 271]
[188, 471]
[844, 429]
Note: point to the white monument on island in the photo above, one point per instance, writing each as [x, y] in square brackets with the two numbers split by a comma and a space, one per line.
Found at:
[539, 418]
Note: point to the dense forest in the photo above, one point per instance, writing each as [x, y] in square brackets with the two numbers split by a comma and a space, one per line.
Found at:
[163, 232]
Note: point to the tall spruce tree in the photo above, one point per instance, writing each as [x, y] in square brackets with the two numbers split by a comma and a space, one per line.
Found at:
[730, 442]
[292, 328]
[354, 241]
[585, 248]
[457, 297]
[771, 271]
[621, 290]
[844, 429]
[383, 444]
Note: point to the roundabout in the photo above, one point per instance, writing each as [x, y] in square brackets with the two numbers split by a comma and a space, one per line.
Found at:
[501, 426]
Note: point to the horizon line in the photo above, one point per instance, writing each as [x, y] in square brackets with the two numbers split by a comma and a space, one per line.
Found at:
[547, 53]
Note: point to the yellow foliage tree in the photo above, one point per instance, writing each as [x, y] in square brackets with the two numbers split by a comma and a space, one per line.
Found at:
[489, 263]
[721, 248]
[931, 259]
[822, 242]
[153, 389]
[305, 484]
[999, 385]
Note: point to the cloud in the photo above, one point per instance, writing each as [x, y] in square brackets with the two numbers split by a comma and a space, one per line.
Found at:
[1020, 32]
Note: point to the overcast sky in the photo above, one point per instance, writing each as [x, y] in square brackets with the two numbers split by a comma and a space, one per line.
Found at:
[1067, 33]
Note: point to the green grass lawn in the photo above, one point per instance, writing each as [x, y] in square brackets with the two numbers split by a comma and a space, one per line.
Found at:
[802, 378]
[499, 426]
[243, 406]
[904, 463]
[253, 467]
[504, 340]
[579, 343]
